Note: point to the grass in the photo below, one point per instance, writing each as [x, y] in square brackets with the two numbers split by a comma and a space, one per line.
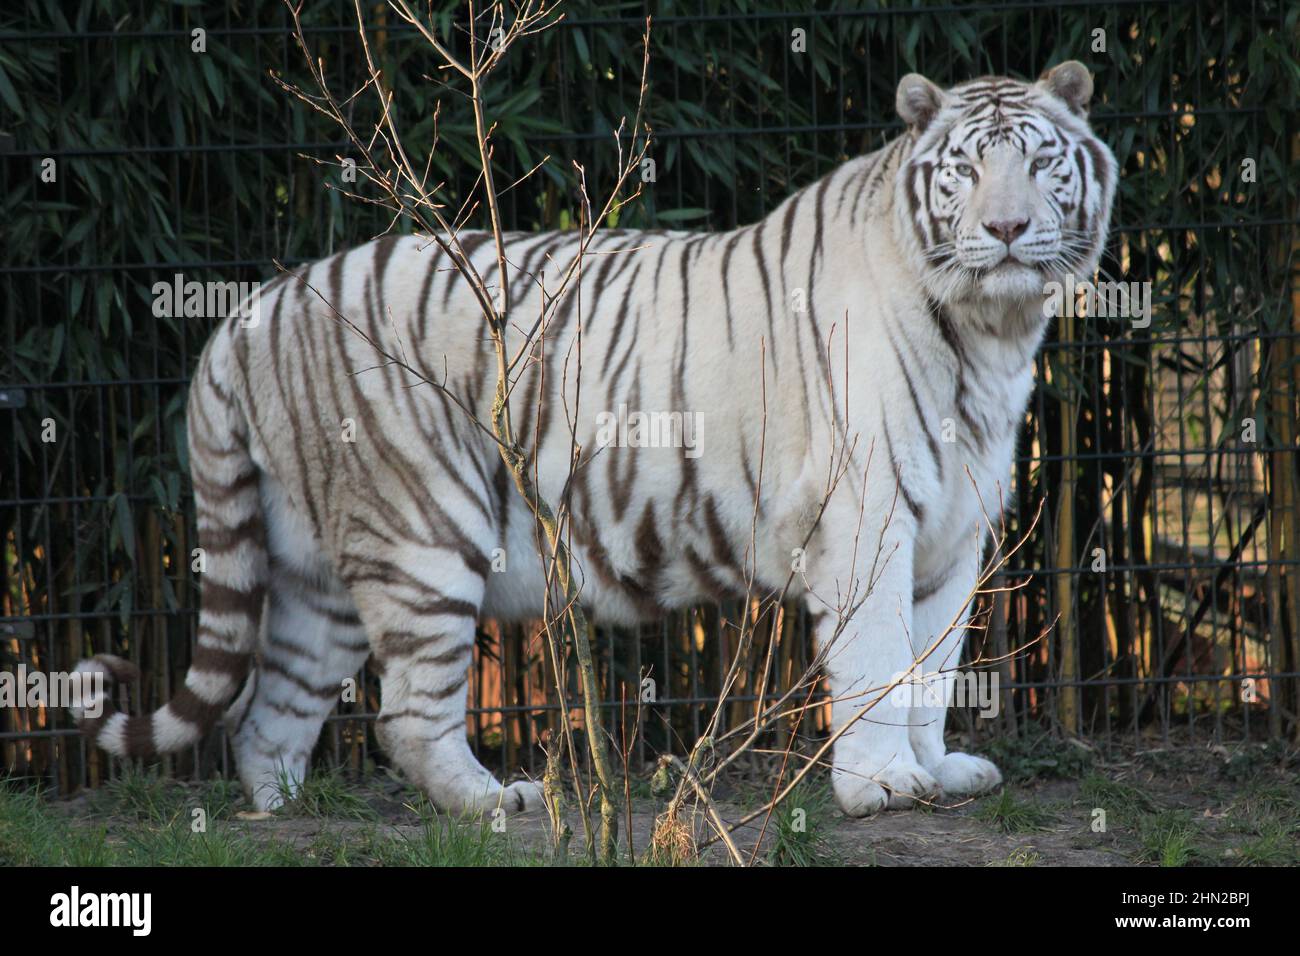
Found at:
[31, 836]
[1276, 844]
[160, 831]
[1121, 801]
[1011, 815]
[1038, 756]
[1268, 814]
[444, 841]
[1167, 839]
[1155, 819]
[148, 797]
[178, 845]
[325, 794]
[798, 824]
[1250, 762]
[1266, 801]
[1259, 827]
[143, 797]
[1023, 856]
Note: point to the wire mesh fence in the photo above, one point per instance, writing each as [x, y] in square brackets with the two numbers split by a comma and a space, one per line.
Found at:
[140, 141]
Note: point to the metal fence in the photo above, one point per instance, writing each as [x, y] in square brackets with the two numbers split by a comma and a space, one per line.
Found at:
[1164, 457]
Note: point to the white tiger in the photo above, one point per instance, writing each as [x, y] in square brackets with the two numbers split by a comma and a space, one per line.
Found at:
[902, 290]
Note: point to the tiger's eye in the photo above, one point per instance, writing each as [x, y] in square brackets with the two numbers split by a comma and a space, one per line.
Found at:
[964, 169]
[1041, 163]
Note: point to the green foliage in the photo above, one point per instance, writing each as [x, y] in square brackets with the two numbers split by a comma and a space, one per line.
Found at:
[1010, 815]
[799, 823]
[1250, 761]
[1122, 802]
[1275, 843]
[1168, 839]
[443, 841]
[1021, 857]
[142, 829]
[146, 796]
[1035, 755]
[325, 793]
[31, 837]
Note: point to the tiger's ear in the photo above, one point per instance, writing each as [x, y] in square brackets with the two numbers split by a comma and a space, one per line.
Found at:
[918, 101]
[1071, 82]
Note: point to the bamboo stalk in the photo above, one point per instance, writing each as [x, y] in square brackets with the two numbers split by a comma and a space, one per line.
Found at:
[1067, 659]
[1289, 463]
[783, 630]
[72, 647]
[510, 649]
[998, 629]
[1281, 387]
[1276, 554]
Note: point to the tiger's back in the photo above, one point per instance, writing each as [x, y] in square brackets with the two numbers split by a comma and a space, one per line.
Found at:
[677, 336]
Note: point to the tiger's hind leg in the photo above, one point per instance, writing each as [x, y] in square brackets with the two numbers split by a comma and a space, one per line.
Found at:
[311, 643]
[419, 605]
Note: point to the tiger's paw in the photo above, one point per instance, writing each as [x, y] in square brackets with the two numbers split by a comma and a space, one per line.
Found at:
[965, 775]
[521, 797]
[896, 787]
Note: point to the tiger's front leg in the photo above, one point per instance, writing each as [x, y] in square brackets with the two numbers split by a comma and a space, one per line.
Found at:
[939, 621]
[868, 647]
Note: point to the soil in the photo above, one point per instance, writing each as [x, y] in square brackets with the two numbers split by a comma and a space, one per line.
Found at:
[1171, 805]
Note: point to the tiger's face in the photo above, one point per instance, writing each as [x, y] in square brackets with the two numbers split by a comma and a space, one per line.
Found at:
[1006, 189]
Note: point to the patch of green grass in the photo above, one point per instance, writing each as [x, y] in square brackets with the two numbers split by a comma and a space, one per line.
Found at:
[1268, 813]
[34, 834]
[325, 794]
[332, 848]
[1167, 839]
[1024, 856]
[178, 845]
[1277, 844]
[1038, 756]
[1011, 815]
[1251, 762]
[444, 841]
[155, 830]
[146, 796]
[1121, 801]
[1272, 800]
[31, 836]
[798, 823]
[220, 798]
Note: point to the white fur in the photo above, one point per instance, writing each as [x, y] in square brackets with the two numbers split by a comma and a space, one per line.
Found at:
[823, 334]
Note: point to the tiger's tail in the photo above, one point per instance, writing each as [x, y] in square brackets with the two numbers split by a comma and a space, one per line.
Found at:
[233, 579]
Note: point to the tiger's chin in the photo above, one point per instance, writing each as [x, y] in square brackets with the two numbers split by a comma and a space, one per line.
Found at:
[1010, 282]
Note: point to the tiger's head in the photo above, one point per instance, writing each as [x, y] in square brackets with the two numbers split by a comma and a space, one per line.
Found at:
[1006, 188]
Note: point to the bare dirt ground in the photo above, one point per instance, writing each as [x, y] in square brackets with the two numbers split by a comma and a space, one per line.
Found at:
[1063, 804]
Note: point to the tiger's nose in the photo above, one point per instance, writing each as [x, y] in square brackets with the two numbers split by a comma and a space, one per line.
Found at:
[1008, 230]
